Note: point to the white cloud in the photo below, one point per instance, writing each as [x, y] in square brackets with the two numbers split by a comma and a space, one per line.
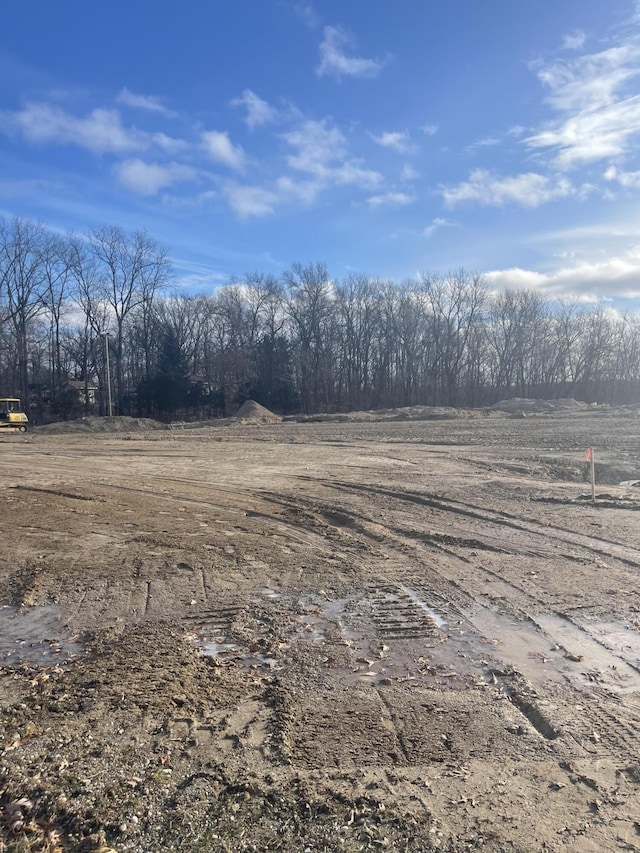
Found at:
[628, 227]
[193, 275]
[151, 103]
[307, 14]
[290, 190]
[101, 131]
[574, 41]
[259, 112]
[149, 178]
[249, 201]
[351, 173]
[320, 154]
[625, 179]
[409, 173]
[486, 142]
[321, 151]
[592, 135]
[617, 276]
[436, 224]
[429, 129]
[592, 80]
[390, 198]
[599, 117]
[335, 62]
[486, 188]
[169, 143]
[221, 149]
[399, 141]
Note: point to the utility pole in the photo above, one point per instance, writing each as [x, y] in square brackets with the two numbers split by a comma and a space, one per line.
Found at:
[105, 335]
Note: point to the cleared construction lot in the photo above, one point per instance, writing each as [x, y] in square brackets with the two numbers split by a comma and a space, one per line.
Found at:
[322, 636]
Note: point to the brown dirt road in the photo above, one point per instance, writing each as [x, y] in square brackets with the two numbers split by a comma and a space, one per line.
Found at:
[331, 636]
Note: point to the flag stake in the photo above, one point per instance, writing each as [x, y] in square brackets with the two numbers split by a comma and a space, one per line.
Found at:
[591, 457]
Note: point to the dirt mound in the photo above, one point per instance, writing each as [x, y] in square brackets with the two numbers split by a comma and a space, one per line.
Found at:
[120, 423]
[252, 411]
[533, 406]
[406, 413]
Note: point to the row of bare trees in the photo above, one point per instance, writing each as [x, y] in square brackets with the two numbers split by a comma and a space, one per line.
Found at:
[303, 341]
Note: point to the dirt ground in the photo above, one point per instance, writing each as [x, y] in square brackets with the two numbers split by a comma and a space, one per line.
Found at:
[322, 637]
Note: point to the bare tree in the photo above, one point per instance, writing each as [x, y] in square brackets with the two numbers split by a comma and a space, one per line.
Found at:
[311, 310]
[129, 271]
[22, 277]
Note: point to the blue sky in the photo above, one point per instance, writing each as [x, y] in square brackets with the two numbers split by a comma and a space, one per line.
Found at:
[383, 138]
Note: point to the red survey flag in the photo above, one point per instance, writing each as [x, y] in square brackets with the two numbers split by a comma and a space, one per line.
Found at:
[589, 454]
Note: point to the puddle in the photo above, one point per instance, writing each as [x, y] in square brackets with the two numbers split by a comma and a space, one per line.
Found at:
[232, 653]
[547, 647]
[219, 650]
[516, 643]
[267, 592]
[310, 630]
[620, 637]
[437, 620]
[320, 613]
[599, 659]
[36, 635]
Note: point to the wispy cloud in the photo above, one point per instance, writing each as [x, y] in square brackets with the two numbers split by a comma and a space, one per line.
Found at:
[485, 142]
[151, 103]
[629, 227]
[148, 179]
[617, 276]
[101, 131]
[254, 201]
[169, 144]
[574, 41]
[599, 116]
[399, 141]
[529, 189]
[259, 112]
[436, 225]
[391, 198]
[321, 151]
[307, 14]
[409, 173]
[247, 201]
[429, 129]
[335, 62]
[319, 158]
[625, 179]
[220, 148]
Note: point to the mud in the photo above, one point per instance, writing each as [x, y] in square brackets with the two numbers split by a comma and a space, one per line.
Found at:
[322, 636]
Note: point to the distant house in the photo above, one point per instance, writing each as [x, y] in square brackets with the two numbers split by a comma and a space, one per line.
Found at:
[86, 391]
[199, 382]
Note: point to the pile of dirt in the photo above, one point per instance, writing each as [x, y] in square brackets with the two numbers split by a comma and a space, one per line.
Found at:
[119, 423]
[405, 413]
[539, 407]
[254, 412]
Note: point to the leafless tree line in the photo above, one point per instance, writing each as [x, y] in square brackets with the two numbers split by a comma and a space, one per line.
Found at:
[302, 342]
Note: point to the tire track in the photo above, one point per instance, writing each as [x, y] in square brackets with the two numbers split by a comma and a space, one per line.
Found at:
[625, 554]
[397, 614]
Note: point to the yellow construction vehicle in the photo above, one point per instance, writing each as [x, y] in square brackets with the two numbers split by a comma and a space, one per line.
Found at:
[11, 414]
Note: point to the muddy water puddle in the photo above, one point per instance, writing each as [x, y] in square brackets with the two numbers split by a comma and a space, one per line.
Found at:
[232, 653]
[403, 632]
[36, 635]
[607, 654]
[394, 635]
[549, 648]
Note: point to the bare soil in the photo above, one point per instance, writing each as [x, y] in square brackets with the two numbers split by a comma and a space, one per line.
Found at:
[335, 636]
